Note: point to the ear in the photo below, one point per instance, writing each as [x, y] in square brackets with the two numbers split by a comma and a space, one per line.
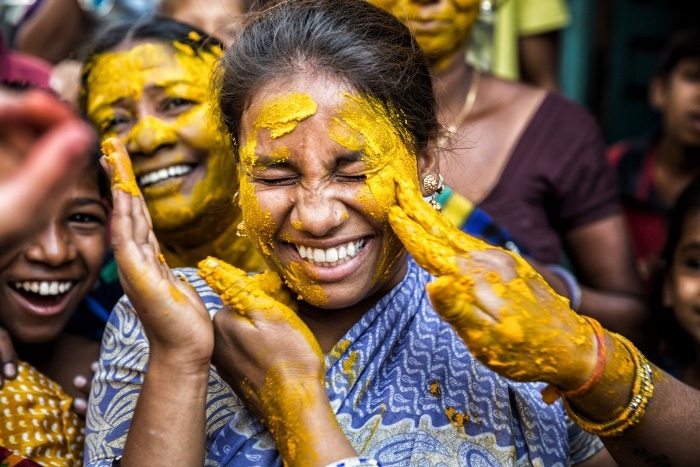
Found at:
[657, 93]
[427, 164]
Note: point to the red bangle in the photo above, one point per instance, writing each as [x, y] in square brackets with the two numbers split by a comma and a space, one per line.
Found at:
[552, 393]
[599, 366]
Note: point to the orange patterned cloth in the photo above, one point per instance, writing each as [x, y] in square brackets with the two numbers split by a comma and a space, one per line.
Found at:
[37, 420]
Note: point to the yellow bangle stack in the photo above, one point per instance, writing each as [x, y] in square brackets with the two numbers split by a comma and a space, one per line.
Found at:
[641, 394]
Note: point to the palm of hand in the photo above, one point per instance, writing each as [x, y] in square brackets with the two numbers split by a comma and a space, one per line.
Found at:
[504, 311]
[173, 315]
[263, 349]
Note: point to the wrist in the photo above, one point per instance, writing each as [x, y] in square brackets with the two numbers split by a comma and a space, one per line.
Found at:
[573, 289]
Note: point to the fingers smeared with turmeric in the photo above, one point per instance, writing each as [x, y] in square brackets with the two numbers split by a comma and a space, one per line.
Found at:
[502, 308]
[229, 281]
[122, 174]
[251, 294]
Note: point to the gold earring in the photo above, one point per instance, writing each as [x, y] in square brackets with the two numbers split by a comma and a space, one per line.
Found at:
[433, 186]
[240, 230]
[236, 197]
[430, 184]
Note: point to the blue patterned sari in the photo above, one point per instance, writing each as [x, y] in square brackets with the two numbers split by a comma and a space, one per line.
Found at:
[404, 388]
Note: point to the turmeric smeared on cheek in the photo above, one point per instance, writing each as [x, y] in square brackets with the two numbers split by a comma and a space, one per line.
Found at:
[366, 126]
[279, 116]
[115, 85]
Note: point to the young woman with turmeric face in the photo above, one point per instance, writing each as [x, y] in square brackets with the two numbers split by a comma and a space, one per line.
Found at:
[160, 111]
[494, 127]
[350, 357]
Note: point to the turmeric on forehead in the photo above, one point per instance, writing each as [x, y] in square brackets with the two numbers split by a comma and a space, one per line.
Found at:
[123, 74]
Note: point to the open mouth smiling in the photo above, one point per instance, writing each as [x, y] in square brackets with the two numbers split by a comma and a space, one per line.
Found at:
[160, 175]
[332, 256]
[43, 293]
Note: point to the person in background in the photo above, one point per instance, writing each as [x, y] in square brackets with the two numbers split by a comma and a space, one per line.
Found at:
[535, 163]
[652, 171]
[46, 274]
[219, 18]
[161, 111]
[677, 289]
[55, 30]
[330, 104]
[519, 40]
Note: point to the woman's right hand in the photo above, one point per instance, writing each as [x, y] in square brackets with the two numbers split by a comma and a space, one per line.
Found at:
[174, 318]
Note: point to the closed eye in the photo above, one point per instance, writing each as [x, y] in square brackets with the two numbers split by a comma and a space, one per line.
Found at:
[281, 181]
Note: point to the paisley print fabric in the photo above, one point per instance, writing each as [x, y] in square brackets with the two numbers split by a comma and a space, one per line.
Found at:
[404, 387]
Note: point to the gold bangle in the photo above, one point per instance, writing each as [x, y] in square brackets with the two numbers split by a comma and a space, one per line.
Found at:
[642, 391]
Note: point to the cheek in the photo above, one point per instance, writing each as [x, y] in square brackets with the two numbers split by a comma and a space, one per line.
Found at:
[259, 223]
[93, 250]
[197, 128]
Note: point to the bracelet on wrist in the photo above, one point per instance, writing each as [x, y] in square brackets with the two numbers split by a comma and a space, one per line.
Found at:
[631, 415]
[355, 462]
[572, 286]
[551, 393]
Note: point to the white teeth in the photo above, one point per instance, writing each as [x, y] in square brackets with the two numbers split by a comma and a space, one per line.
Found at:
[44, 287]
[163, 174]
[319, 255]
[331, 256]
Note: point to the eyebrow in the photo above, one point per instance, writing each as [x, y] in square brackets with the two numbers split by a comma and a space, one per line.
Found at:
[267, 161]
[87, 201]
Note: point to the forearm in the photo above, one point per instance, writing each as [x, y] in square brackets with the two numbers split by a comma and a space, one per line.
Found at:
[168, 426]
[54, 31]
[303, 424]
[661, 436]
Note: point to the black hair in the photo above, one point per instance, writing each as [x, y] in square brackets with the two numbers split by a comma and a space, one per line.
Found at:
[676, 341]
[353, 40]
[681, 44]
[154, 27]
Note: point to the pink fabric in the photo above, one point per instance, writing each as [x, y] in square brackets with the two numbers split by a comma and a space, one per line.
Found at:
[16, 66]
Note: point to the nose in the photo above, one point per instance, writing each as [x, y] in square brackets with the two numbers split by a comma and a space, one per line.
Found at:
[318, 211]
[53, 247]
[148, 135]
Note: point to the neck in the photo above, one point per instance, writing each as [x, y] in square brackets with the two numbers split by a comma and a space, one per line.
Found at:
[190, 246]
[452, 84]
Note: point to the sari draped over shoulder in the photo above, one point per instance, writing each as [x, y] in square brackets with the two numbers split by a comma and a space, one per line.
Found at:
[404, 387]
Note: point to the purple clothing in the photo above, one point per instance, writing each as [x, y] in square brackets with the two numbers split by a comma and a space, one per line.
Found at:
[556, 179]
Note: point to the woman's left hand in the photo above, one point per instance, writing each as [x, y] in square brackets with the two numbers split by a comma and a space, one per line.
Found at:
[504, 311]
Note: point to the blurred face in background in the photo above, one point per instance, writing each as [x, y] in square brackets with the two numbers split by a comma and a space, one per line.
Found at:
[154, 97]
[441, 27]
[677, 97]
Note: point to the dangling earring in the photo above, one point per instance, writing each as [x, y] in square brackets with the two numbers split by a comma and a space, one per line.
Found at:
[240, 230]
[236, 197]
[433, 186]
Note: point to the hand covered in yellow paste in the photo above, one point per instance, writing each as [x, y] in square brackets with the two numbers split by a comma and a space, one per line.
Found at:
[267, 354]
[504, 311]
[174, 318]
